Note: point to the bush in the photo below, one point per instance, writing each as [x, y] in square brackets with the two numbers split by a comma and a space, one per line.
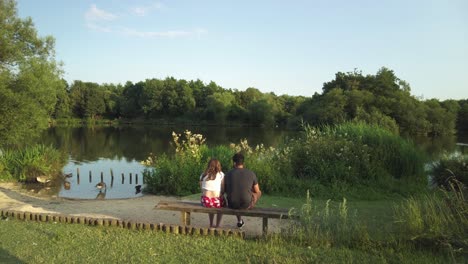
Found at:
[328, 161]
[455, 166]
[354, 154]
[28, 163]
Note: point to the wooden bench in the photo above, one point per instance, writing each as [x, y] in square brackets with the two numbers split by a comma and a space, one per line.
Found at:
[187, 207]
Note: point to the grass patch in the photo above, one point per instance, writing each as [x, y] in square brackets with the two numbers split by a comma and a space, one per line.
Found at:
[33, 242]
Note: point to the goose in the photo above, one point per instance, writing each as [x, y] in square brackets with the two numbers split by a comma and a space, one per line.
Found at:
[101, 195]
[101, 185]
[43, 179]
[137, 189]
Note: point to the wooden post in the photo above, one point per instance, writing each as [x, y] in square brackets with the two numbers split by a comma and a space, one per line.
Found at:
[136, 178]
[123, 178]
[185, 218]
[265, 226]
[130, 178]
[78, 175]
[90, 176]
[102, 176]
[112, 175]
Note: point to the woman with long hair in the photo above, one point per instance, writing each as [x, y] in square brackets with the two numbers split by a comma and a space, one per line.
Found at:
[212, 186]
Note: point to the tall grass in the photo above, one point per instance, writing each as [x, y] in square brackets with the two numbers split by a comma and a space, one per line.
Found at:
[28, 163]
[327, 225]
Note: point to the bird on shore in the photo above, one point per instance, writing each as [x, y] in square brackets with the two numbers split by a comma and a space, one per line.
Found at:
[137, 189]
[43, 179]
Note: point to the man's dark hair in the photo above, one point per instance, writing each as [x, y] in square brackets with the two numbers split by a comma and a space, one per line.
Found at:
[238, 159]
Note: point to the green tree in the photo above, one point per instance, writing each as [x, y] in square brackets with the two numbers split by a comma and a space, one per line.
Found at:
[218, 106]
[462, 117]
[29, 77]
[87, 99]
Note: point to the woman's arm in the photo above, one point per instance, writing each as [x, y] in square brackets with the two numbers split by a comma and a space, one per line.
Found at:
[222, 188]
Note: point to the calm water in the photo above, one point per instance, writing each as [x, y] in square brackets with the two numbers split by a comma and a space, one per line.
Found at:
[99, 150]
[96, 150]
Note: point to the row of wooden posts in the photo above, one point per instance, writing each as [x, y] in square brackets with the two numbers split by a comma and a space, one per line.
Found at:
[175, 229]
[112, 177]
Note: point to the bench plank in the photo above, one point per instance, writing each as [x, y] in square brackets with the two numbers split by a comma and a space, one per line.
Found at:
[188, 206]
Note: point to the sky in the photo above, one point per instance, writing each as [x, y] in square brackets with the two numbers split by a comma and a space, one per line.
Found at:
[286, 47]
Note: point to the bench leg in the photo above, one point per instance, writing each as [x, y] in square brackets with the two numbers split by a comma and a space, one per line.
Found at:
[185, 218]
[265, 226]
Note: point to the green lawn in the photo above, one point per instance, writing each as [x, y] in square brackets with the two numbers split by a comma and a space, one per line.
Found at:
[34, 242]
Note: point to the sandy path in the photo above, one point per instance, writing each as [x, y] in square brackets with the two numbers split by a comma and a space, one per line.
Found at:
[141, 209]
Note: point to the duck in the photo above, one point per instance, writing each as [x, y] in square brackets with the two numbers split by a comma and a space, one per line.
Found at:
[68, 175]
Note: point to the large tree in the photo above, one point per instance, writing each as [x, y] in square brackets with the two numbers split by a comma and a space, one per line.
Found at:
[29, 77]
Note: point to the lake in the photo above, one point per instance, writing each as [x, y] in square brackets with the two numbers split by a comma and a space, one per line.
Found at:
[120, 149]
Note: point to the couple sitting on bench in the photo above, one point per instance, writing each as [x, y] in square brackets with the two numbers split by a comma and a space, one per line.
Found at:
[239, 184]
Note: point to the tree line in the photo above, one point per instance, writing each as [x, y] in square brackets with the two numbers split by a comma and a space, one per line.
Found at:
[381, 98]
[32, 92]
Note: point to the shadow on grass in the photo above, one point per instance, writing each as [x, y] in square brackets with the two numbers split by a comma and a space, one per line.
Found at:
[7, 258]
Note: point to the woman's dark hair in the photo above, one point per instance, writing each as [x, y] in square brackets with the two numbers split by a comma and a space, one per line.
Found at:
[214, 166]
[238, 159]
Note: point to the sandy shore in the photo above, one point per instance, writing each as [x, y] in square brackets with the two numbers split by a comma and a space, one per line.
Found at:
[141, 209]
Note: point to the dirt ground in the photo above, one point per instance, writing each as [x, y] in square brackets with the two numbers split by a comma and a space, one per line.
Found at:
[141, 209]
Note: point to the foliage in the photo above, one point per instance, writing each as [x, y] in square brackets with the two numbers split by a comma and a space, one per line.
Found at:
[382, 99]
[438, 220]
[177, 174]
[450, 166]
[29, 77]
[329, 161]
[356, 154]
[28, 163]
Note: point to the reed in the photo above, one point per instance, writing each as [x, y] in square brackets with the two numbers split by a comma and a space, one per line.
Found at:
[28, 163]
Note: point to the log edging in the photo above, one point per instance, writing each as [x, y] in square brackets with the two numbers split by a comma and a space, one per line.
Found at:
[118, 223]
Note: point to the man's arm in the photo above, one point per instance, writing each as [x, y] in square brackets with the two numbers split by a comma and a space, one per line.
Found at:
[256, 189]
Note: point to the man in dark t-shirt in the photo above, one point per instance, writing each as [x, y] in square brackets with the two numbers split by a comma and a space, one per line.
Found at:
[241, 187]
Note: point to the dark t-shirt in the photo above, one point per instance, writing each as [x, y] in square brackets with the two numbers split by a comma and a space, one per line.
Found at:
[238, 187]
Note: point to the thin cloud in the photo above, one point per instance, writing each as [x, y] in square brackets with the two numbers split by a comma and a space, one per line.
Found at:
[98, 28]
[96, 14]
[163, 34]
[144, 10]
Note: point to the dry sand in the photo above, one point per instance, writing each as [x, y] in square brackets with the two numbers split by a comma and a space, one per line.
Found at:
[141, 209]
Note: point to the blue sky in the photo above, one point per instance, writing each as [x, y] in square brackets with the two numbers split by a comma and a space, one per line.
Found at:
[285, 47]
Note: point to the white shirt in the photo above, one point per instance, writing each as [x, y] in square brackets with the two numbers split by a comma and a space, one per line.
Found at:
[212, 185]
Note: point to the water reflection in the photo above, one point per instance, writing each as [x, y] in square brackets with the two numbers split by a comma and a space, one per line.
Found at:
[87, 144]
[437, 146]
